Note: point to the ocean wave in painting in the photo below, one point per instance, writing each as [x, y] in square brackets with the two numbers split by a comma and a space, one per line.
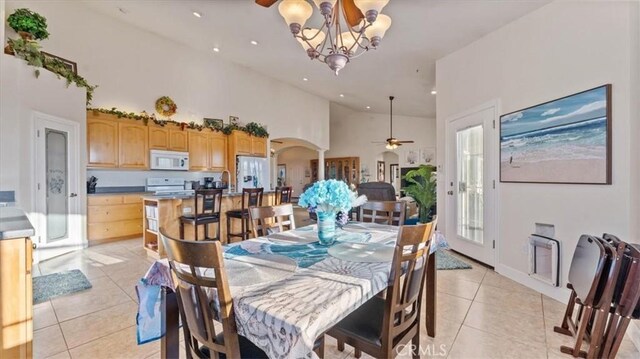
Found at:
[579, 140]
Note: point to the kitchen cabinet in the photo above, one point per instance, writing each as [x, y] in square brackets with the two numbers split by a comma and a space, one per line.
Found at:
[198, 151]
[217, 151]
[242, 143]
[345, 169]
[133, 145]
[114, 216]
[178, 140]
[158, 138]
[102, 143]
[258, 146]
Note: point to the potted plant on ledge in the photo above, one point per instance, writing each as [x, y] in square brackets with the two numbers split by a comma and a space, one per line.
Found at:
[28, 24]
[422, 188]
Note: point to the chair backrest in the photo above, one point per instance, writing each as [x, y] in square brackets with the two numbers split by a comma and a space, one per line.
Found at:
[188, 261]
[377, 191]
[283, 194]
[270, 219]
[408, 270]
[586, 268]
[211, 200]
[251, 197]
[383, 212]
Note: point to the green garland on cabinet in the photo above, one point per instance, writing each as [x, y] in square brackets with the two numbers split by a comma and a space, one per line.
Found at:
[252, 128]
[29, 50]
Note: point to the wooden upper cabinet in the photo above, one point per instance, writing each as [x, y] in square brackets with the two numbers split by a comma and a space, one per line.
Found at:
[198, 151]
[158, 138]
[134, 145]
[242, 142]
[218, 151]
[178, 140]
[102, 142]
[259, 146]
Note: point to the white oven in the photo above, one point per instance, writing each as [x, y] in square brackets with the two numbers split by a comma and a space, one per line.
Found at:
[169, 160]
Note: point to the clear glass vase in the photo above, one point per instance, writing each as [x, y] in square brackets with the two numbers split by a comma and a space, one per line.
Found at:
[326, 228]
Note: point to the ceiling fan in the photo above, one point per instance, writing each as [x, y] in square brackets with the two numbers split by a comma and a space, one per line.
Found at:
[392, 143]
[353, 14]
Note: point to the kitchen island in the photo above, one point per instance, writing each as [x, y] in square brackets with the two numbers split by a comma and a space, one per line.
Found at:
[165, 212]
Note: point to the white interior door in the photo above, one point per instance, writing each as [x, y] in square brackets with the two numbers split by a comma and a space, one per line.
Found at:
[470, 185]
[57, 171]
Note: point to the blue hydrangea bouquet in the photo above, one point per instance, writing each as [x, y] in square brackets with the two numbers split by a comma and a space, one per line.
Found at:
[331, 200]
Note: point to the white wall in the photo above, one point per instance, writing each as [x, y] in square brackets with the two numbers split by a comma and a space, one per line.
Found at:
[297, 159]
[22, 94]
[560, 49]
[134, 67]
[352, 133]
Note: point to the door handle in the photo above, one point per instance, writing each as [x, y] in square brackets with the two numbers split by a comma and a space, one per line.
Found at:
[73, 195]
[450, 193]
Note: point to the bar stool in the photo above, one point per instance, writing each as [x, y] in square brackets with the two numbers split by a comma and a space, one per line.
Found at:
[283, 195]
[251, 197]
[210, 213]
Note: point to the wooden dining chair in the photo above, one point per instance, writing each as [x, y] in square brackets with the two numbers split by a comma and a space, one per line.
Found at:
[188, 260]
[284, 194]
[271, 219]
[383, 212]
[380, 325]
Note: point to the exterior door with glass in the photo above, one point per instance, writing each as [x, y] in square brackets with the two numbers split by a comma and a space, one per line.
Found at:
[470, 185]
[58, 223]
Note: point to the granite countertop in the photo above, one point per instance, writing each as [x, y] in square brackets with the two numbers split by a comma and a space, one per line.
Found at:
[14, 224]
[151, 196]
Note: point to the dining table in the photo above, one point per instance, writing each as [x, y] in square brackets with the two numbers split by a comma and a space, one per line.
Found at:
[288, 289]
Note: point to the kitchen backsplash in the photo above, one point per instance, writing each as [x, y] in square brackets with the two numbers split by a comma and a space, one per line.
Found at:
[110, 178]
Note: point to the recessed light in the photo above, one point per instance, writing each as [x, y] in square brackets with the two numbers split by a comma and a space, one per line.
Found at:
[254, 42]
[215, 49]
[197, 14]
[305, 79]
[341, 95]
[368, 107]
[433, 92]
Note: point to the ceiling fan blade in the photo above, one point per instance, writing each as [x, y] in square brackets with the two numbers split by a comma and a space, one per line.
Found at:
[353, 14]
[266, 3]
[275, 141]
[404, 141]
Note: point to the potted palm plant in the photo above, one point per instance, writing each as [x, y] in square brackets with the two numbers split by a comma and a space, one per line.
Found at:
[28, 24]
[422, 187]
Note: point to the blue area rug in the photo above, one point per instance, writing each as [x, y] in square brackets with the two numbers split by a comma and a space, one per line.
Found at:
[445, 261]
[54, 285]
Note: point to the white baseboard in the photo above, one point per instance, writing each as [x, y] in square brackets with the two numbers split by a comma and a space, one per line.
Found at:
[558, 293]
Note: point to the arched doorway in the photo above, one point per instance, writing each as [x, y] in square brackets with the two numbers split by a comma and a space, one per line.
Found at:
[291, 162]
[388, 169]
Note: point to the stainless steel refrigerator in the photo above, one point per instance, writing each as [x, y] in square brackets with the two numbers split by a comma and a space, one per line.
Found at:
[252, 172]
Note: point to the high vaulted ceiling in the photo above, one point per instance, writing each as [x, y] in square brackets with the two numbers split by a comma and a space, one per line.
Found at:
[422, 32]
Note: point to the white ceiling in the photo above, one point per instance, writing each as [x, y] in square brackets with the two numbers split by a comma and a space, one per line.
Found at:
[404, 65]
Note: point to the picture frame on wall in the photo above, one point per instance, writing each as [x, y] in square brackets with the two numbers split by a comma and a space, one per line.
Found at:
[233, 119]
[213, 122]
[567, 140]
[427, 155]
[68, 63]
[412, 157]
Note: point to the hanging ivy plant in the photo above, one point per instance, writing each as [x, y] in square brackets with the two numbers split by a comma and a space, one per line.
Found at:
[29, 51]
[256, 129]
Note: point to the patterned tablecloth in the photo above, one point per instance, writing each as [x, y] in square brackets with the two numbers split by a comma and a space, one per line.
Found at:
[284, 317]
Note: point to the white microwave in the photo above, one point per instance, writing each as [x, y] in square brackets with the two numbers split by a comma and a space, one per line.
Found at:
[169, 160]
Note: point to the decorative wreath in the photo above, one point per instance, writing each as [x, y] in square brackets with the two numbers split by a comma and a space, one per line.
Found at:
[165, 106]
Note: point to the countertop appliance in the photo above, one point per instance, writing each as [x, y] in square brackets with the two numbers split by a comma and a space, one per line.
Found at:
[252, 172]
[208, 183]
[168, 187]
[169, 160]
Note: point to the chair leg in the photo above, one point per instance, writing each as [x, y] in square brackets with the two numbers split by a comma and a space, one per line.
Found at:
[357, 353]
[206, 231]
[340, 345]
[415, 345]
[244, 229]
[181, 230]
[228, 229]
[195, 231]
[320, 350]
[218, 237]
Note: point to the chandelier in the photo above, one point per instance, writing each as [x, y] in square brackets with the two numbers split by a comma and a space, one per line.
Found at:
[345, 32]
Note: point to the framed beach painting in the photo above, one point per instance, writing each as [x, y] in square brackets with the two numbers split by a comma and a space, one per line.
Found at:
[567, 140]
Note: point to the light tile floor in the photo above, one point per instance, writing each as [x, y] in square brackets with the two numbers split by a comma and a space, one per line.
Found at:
[481, 314]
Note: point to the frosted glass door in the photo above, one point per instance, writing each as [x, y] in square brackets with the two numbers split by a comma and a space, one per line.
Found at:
[57, 185]
[470, 184]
